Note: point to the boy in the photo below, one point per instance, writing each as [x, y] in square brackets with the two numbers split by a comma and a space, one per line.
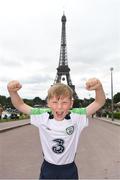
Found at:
[59, 127]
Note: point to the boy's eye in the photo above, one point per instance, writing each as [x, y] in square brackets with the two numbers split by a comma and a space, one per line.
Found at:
[65, 102]
[54, 102]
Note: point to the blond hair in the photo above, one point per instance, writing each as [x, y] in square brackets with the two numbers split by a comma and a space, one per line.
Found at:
[60, 90]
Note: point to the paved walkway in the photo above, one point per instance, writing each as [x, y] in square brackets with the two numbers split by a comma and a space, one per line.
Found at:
[5, 126]
[109, 120]
[98, 154]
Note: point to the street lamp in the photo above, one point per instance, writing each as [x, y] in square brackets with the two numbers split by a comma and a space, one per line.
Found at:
[112, 108]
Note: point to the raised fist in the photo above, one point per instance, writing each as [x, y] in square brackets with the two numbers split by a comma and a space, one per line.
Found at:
[93, 84]
[14, 86]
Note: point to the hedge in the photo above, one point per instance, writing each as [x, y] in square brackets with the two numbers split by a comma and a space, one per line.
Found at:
[115, 114]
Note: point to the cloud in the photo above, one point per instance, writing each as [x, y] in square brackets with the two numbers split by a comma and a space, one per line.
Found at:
[37, 79]
[30, 36]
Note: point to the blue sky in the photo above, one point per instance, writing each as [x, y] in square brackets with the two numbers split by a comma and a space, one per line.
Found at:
[30, 35]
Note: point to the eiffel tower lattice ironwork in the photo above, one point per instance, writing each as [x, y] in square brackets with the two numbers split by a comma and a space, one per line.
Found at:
[63, 71]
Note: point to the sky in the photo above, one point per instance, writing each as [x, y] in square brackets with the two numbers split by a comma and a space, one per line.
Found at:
[30, 36]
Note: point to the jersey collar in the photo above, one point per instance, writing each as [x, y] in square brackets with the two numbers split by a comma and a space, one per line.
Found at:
[67, 117]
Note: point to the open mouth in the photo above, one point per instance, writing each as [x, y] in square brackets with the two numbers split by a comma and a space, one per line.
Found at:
[59, 115]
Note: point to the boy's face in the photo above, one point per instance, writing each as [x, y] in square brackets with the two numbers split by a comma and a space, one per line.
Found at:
[60, 106]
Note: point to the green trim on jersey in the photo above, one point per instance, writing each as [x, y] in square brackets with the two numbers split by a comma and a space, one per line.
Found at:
[81, 111]
[37, 111]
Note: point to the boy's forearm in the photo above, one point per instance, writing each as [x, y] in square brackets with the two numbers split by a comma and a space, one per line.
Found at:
[100, 96]
[18, 103]
[98, 102]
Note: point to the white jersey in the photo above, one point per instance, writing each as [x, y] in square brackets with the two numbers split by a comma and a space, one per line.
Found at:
[59, 139]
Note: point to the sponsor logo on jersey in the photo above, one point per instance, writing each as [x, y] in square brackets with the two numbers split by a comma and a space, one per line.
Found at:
[58, 148]
[70, 130]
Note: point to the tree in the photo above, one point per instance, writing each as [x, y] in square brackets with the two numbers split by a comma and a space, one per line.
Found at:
[37, 101]
[116, 97]
[3, 101]
[28, 101]
[77, 103]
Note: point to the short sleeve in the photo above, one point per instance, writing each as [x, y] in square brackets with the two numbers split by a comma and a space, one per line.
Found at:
[38, 115]
[80, 114]
[81, 111]
[38, 111]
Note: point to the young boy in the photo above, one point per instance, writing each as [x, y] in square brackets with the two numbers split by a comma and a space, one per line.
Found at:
[59, 127]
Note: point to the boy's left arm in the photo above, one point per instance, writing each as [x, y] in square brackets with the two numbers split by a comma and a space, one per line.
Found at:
[95, 84]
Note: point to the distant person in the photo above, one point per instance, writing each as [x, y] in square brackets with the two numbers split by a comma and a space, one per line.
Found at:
[59, 127]
[5, 116]
[1, 111]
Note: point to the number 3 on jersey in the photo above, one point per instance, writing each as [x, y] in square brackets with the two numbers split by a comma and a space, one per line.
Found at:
[58, 148]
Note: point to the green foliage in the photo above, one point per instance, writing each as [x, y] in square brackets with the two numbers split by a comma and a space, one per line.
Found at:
[37, 101]
[28, 101]
[117, 98]
[77, 103]
[116, 115]
[3, 100]
[6, 102]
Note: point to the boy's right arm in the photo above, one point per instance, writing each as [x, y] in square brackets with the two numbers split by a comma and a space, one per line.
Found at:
[18, 103]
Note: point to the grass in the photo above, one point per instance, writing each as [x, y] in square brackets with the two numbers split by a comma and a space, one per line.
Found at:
[9, 120]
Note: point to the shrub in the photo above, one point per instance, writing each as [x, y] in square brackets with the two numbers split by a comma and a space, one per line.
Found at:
[115, 114]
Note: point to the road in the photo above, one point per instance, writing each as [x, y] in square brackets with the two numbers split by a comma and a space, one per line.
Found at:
[98, 155]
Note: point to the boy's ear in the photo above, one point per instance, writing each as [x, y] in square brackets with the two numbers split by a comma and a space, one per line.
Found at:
[72, 102]
[48, 104]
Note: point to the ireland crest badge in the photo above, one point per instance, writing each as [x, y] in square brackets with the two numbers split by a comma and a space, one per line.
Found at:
[70, 130]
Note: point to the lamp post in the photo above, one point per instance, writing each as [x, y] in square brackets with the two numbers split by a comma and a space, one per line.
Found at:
[112, 108]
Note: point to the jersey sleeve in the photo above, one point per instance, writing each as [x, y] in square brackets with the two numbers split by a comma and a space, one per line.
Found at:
[38, 111]
[81, 111]
[38, 115]
[81, 116]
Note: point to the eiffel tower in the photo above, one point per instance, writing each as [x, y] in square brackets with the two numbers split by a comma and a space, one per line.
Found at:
[63, 71]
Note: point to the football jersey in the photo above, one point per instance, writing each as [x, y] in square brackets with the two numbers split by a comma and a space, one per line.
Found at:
[59, 139]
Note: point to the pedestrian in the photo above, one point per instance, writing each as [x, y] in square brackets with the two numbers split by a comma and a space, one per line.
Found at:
[59, 125]
[1, 111]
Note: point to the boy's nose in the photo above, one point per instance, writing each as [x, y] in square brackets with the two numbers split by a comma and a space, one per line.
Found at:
[59, 105]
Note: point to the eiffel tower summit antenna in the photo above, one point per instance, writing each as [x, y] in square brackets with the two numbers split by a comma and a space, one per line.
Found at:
[63, 71]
